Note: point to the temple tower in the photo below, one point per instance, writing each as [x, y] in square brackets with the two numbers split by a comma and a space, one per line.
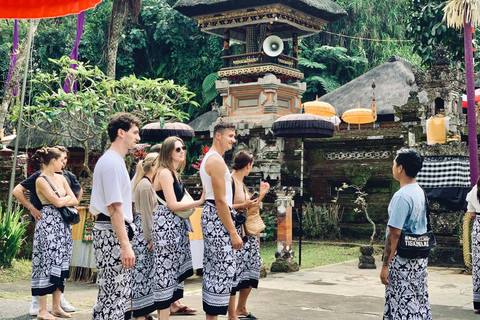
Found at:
[263, 83]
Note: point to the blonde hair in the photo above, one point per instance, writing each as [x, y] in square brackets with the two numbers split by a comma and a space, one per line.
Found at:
[144, 166]
[165, 158]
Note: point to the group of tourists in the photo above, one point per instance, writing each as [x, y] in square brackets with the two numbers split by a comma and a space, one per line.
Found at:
[140, 238]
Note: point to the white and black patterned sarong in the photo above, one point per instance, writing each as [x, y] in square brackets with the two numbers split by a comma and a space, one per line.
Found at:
[52, 251]
[407, 295]
[113, 281]
[142, 273]
[172, 257]
[252, 262]
[222, 268]
[476, 262]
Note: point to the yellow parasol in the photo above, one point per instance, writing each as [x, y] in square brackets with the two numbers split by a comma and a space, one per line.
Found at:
[319, 108]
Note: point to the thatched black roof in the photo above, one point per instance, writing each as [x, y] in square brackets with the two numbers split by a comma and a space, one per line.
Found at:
[203, 122]
[394, 80]
[31, 139]
[323, 9]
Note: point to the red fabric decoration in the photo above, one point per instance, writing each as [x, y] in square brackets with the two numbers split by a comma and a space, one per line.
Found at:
[36, 9]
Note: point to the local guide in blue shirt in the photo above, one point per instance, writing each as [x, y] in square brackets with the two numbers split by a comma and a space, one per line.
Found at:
[406, 210]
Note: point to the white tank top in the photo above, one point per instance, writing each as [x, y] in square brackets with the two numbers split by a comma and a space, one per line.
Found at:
[207, 180]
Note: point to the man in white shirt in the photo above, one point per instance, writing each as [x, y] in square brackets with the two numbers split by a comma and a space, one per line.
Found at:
[111, 202]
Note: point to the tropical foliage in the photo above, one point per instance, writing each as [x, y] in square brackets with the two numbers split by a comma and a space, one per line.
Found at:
[81, 114]
[327, 68]
[321, 221]
[12, 231]
[425, 28]
[371, 19]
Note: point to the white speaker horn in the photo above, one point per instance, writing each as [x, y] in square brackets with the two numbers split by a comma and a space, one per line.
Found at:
[273, 46]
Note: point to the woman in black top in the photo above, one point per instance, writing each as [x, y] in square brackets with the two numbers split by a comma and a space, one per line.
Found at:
[171, 245]
[52, 242]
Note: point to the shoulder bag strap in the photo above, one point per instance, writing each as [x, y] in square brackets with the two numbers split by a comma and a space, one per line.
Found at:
[427, 209]
[51, 185]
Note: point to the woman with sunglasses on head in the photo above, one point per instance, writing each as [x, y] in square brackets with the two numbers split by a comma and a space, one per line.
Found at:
[52, 242]
[171, 245]
[145, 206]
[250, 253]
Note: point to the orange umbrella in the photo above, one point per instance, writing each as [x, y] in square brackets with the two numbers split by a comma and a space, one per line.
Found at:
[359, 116]
[36, 9]
[319, 108]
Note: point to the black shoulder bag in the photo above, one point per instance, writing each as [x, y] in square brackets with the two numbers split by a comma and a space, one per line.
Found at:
[417, 246]
[69, 214]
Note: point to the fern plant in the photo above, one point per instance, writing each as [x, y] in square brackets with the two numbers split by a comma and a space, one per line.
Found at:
[12, 231]
[327, 68]
[209, 92]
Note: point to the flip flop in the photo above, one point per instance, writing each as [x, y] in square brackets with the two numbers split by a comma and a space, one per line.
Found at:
[184, 310]
[249, 316]
[47, 318]
[476, 311]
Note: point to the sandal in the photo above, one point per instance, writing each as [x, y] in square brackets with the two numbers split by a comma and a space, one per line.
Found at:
[248, 316]
[476, 311]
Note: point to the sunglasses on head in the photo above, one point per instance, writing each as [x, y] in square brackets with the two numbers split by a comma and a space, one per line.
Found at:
[180, 149]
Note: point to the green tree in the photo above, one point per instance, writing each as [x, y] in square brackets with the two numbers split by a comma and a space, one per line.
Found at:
[327, 68]
[370, 19]
[82, 115]
[425, 28]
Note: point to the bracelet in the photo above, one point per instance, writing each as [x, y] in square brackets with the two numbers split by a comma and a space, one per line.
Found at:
[30, 207]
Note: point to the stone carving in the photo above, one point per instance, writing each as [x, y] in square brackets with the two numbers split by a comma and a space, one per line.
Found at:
[442, 56]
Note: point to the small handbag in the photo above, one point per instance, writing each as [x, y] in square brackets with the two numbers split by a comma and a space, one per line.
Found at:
[187, 198]
[417, 246]
[69, 214]
[254, 223]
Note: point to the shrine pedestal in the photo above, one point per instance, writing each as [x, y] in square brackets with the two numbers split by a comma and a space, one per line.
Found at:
[284, 254]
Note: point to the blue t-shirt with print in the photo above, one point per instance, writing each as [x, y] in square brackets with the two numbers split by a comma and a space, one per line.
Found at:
[407, 210]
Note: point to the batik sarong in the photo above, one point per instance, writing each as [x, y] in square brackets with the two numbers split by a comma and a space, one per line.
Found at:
[407, 295]
[476, 262]
[252, 262]
[142, 273]
[172, 257]
[113, 281]
[52, 251]
[221, 263]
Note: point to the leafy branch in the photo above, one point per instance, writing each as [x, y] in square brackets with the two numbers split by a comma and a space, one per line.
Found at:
[81, 114]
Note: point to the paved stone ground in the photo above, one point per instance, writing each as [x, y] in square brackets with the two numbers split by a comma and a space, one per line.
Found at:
[340, 291]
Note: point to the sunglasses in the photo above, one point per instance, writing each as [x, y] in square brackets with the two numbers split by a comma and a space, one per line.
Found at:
[180, 149]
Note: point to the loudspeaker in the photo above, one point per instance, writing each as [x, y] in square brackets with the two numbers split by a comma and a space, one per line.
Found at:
[273, 46]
